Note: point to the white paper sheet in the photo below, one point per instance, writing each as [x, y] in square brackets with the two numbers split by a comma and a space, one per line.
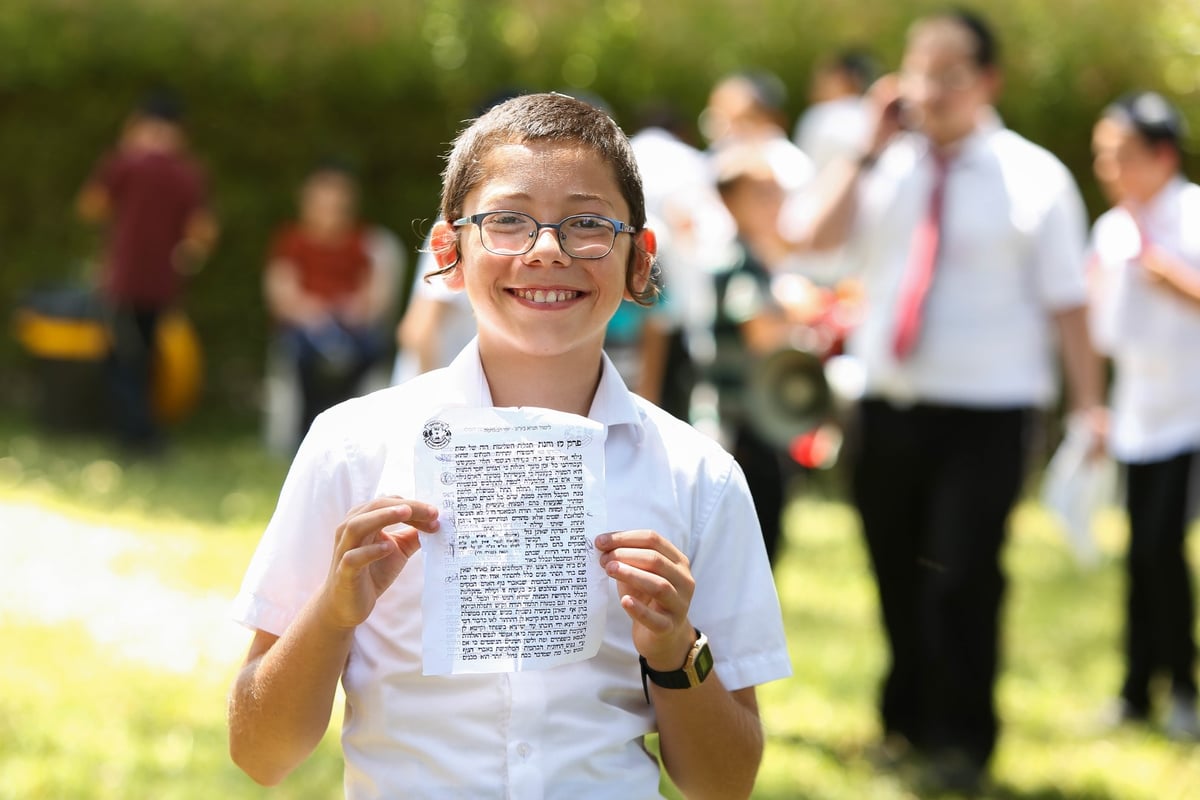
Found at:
[1075, 487]
[512, 579]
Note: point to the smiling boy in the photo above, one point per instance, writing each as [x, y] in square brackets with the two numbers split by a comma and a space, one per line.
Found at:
[544, 228]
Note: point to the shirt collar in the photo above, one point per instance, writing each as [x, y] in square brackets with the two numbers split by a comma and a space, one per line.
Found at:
[468, 384]
[612, 404]
[973, 144]
[1164, 201]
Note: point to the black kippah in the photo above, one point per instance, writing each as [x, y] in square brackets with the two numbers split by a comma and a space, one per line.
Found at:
[1151, 115]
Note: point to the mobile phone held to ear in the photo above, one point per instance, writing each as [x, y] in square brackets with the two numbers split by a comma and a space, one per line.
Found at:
[898, 111]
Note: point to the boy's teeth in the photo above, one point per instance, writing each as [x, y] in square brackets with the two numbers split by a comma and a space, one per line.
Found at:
[543, 296]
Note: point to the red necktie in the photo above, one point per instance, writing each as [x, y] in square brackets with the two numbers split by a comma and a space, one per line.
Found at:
[921, 260]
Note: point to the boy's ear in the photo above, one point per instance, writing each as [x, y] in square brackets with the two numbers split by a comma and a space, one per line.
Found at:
[643, 254]
[443, 240]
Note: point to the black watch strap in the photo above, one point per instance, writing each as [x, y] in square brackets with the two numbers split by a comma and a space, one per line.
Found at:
[695, 669]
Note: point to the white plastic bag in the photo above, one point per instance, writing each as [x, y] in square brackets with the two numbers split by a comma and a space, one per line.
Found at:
[1076, 487]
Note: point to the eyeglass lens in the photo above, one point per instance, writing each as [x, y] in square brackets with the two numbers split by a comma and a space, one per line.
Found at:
[580, 236]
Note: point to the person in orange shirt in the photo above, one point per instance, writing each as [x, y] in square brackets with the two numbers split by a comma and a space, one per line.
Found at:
[321, 291]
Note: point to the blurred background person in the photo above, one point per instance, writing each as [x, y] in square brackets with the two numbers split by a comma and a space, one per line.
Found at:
[747, 107]
[325, 292]
[750, 324]
[970, 240]
[152, 196]
[835, 122]
[1145, 268]
[832, 127]
[436, 325]
[694, 234]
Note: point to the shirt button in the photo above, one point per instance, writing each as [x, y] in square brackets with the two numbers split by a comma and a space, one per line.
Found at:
[524, 750]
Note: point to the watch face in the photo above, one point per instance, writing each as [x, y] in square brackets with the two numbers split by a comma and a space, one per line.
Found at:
[704, 662]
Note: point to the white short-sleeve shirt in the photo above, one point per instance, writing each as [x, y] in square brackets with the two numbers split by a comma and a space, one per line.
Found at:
[568, 732]
[1013, 239]
[1152, 335]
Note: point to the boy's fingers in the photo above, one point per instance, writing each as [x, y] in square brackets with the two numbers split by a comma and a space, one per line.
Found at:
[421, 511]
[639, 611]
[362, 557]
[671, 593]
[408, 543]
[647, 568]
[424, 515]
[361, 527]
[641, 540]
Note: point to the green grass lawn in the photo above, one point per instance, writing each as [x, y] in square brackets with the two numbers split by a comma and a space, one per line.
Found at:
[80, 717]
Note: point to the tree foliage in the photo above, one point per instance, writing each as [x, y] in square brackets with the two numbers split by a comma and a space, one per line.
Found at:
[272, 85]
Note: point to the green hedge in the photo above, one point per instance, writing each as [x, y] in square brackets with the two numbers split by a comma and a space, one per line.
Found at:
[271, 85]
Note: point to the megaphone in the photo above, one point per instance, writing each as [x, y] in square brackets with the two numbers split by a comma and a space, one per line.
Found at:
[788, 396]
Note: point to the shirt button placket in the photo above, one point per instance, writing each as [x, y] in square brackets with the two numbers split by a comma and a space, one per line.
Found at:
[525, 768]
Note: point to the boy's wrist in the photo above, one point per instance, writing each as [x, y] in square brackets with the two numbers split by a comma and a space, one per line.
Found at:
[670, 658]
[695, 667]
[326, 615]
[866, 160]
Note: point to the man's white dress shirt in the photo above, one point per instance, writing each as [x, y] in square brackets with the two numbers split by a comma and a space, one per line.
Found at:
[1013, 239]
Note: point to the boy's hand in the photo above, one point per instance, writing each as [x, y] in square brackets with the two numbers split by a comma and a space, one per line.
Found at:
[1157, 264]
[655, 583]
[367, 559]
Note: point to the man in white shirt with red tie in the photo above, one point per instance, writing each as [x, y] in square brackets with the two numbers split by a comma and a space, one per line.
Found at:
[970, 242]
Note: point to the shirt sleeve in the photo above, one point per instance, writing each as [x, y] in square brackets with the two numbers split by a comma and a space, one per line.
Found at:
[294, 554]
[875, 195]
[1060, 248]
[735, 603]
[1101, 284]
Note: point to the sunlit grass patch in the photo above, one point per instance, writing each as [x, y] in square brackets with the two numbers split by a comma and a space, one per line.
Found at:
[113, 677]
[202, 505]
[204, 478]
[80, 721]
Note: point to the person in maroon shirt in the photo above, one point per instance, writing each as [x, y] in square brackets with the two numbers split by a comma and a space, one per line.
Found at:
[152, 195]
[323, 292]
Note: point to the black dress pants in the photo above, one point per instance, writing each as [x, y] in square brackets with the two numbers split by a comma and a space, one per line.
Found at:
[1159, 610]
[934, 486]
[762, 465]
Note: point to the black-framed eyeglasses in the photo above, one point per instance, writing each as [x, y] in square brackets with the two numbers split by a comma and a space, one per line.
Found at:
[513, 233]
[953, 79]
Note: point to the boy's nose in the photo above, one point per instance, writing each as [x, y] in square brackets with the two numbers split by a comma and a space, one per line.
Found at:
[556, 248]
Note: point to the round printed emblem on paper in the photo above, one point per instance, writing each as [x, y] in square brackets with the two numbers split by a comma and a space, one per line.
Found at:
[581, 433]
[436, 434]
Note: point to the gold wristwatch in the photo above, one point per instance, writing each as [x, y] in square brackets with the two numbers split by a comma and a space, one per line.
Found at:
[695, 669]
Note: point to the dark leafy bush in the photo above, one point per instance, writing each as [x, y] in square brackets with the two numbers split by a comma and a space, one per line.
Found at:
[272, 85]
